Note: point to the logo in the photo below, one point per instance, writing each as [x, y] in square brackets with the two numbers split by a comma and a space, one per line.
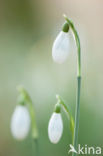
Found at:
[85, 150]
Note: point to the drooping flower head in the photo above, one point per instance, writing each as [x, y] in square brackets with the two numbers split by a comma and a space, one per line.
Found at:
[61, 45]
[20, 122]
[55, 127]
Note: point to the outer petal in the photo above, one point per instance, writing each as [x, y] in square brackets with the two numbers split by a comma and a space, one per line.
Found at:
[55, 128]
[61, 47]
[20, 122]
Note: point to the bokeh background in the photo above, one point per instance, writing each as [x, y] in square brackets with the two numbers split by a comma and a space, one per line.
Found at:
[27, 31]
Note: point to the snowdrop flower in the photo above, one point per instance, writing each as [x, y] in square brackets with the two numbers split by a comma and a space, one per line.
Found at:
[55, 128]
[20, 122]
[61, 46]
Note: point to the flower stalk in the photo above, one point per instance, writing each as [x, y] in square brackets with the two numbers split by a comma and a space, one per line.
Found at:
[71, 25]
[24, 99]
[68, 114]
[77, 111]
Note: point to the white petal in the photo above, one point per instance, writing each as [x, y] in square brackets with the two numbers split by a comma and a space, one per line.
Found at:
[61, 47]
[20, 122]
[55, 128]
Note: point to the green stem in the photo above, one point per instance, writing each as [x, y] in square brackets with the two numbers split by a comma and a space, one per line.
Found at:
[78, 45]
[68, 113]
[77, 111]
[25, 99]
[36, 147]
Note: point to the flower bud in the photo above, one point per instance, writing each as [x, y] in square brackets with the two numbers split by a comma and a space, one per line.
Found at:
[20, 122]
[61, 47]
[55, 128]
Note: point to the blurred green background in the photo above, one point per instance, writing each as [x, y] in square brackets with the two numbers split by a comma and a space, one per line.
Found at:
[27, 31]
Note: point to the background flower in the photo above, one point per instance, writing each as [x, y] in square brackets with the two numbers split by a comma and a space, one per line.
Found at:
[20, 123]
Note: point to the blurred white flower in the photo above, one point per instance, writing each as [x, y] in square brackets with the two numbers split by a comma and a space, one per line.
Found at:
[20, 122]
[61, 47]
[55, 128]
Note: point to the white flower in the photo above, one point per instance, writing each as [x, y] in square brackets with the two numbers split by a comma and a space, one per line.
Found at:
[61, 47]
[55, 128]
[20, 122]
